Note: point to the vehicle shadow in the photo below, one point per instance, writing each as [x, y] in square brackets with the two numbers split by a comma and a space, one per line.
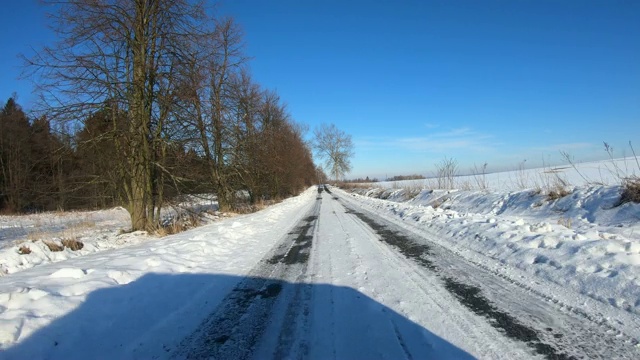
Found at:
[153, 315]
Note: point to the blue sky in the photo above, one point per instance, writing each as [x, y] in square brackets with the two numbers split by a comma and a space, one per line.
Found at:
[416, 81]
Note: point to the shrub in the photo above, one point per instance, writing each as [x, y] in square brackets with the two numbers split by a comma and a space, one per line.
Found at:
[73, 244]
[630, 191]
[53, 246]
[179, 223]
[446, 171]
[24, 250]
[557, 193]
[558, 189]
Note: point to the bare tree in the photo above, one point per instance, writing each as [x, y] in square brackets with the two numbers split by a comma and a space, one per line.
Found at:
[335, 147]
[120, 55]
[208, 98]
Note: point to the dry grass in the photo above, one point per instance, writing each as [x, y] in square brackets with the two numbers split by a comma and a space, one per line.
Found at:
[24, 250]
[53, 247]
[630, 191]
[71, 231]
[446, 172]
[566, 222]
[411, 190]
[350, 186]
[465, 185]
[558, 189]
[557, 193]
[84, 224]
[171, 228]
[73, 244]
[177, 225]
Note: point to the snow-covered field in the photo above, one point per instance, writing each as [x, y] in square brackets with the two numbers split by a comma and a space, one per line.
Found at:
[607, 172]
[582, 243]
[96, 230]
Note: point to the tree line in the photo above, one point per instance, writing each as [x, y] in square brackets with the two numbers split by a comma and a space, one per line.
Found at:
[43, 169]
[148, 99]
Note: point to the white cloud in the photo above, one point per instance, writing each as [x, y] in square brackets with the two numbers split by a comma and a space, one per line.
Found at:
[451, 140]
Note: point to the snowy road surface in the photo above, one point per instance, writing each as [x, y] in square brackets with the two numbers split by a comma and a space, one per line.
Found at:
[317, 277]
[348, 284]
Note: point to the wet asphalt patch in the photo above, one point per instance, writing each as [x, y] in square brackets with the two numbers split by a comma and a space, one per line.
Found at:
[300, 251]
[469, 296]
[417, 252]
[234, 329]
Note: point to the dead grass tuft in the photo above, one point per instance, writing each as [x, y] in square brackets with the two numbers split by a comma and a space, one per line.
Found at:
[558, 190]
[73, 244]
[565, 221]
[630, 191]
[557, 193]
[84, 224]
[177, 225]
[171, 228]
[36, 235]
[24, 250]
[346, 186]
[53, 247]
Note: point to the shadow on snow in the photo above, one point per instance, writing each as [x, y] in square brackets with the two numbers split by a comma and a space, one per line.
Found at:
[155, 315]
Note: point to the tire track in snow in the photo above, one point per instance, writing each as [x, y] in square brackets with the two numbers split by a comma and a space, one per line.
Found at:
[264, 301]
[425, 282]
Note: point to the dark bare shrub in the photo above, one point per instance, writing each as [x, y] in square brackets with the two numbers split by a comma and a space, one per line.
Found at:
[53, 246]
[73, 244]
[558, 189]
[446, 171]
[24, 250]
[557, 193]
[630, 191]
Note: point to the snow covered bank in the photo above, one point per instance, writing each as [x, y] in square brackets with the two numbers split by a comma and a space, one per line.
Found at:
[139, 298]
[31, 240]
[97, 230]
[581, 241]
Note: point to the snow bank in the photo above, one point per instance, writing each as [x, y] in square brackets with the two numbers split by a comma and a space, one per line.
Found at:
[582, 241]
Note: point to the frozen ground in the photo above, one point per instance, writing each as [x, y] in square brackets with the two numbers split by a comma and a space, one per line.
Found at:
[443, 274]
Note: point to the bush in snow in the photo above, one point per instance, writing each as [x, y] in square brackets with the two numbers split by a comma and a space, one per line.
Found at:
[558, 189]
[73, 244]
[53, 246]
[24, 250]
[630, 191]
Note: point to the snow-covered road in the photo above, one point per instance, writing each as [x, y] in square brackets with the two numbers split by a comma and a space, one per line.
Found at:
[316, 277]
[348, 284]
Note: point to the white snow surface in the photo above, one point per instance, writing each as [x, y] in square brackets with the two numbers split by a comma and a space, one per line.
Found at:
[97, 230]
[584, 174]
[585, 241]
[139, 297]
[132, 301]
